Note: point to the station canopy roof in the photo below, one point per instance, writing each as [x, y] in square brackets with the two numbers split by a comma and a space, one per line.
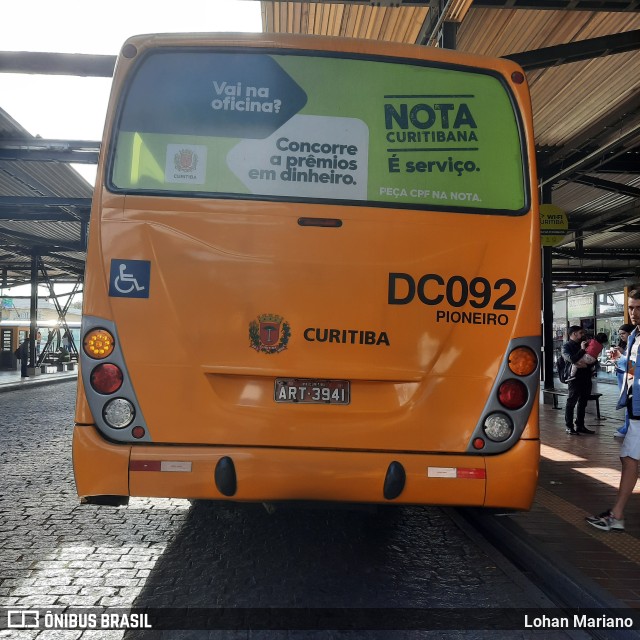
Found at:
[582, 61]
[44, 210]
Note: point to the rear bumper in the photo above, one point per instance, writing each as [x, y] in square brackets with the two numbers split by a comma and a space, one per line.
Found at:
[271, 474]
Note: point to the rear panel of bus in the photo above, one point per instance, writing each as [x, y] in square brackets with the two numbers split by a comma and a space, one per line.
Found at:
[312, 275]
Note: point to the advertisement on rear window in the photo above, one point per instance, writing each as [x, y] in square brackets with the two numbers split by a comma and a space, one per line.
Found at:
[319, 128]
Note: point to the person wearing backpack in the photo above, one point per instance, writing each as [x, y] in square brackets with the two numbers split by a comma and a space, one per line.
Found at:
[562, 368]
[580, 385]
[22, 353]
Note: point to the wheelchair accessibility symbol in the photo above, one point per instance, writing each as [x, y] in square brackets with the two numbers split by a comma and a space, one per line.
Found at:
[129, 278]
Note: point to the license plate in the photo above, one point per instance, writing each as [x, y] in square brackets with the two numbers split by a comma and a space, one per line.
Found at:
[311, 391]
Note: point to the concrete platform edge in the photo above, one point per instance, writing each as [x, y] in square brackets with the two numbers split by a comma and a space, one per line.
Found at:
[38, 381]
[571, 588]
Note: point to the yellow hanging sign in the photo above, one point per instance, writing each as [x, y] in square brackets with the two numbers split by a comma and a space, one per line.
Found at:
[553, 225]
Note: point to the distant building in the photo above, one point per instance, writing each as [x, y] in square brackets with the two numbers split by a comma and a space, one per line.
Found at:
[19, 309]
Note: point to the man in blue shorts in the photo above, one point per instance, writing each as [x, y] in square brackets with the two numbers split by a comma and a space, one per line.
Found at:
[613, 519]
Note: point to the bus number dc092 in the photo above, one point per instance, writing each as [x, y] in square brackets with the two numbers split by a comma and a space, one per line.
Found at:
[432, 289]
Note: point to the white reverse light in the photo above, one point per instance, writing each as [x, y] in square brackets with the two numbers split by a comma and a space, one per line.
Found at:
[119, 413]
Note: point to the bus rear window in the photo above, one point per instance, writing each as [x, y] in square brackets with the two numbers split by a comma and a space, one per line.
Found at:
[321, 128]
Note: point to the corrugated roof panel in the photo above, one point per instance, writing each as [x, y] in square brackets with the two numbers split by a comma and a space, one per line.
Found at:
[28, 178]
[393, 24]
[499, 32]
[44, 179]
[572, 195]
[47, 232]
[561, 110]
[37, 179]
[584, 201]
[613, 240]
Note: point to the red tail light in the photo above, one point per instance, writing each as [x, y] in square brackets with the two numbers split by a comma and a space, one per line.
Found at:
[512, 394]
[106, 378]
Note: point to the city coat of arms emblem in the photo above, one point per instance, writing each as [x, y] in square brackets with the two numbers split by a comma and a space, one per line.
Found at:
[269, 333]
[185, 160]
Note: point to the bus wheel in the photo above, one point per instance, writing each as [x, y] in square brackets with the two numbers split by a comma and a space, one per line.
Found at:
[109, 501]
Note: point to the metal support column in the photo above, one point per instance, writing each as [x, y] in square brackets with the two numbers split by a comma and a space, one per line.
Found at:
[54, 339]
[84, 234]
[449, 35]
[547, 305]
[33, 313]
[547, 318]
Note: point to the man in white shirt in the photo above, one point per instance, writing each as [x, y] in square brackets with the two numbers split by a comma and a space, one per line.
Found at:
[613, 519]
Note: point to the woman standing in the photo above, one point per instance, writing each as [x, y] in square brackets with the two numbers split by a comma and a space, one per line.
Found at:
[623, 333]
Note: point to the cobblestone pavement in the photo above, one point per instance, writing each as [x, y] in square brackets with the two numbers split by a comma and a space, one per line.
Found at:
[167, 553]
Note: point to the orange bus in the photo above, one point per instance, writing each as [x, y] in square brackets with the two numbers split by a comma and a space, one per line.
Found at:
[313, 273]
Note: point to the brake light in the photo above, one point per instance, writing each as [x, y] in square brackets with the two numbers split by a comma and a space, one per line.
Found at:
[106, 378]
[523, 361]
[98, 344]
[512, 394]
